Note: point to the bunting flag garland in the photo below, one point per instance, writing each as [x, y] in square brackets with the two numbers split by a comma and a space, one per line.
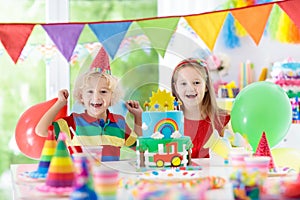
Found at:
[110, 35]
[64, 36]
[255, 26]
[159, 32]
[282, 17]
[14, 38]
[208, 26]
[292, 9]
[240, 30]
[273, 21]
[228, 33]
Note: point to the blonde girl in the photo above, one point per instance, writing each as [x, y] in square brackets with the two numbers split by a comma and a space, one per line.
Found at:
[191, 84]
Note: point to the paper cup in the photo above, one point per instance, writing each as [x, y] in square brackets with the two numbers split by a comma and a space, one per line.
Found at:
[77, 160]
[94, 152]
[106, 182]
[260, 163]
[237, 157]
[218, 145]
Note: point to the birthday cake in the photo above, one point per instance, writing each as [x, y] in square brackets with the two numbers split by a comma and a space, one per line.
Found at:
[163, 143]
[287, 75]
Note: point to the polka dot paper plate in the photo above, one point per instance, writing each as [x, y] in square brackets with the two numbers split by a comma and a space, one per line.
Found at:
[173, 175]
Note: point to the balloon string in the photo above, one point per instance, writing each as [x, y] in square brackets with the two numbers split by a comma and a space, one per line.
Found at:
[103, 163]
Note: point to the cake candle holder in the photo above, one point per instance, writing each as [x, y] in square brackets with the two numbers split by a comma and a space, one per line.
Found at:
[166, 105]
[146, 105]
[175, 103]
[179, 104]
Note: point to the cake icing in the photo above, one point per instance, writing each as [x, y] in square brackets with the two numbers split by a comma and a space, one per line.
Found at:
[286, 74]
[163, 143]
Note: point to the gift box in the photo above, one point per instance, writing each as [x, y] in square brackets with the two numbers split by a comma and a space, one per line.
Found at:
[241, 192]
[247, 184]
[228, 91]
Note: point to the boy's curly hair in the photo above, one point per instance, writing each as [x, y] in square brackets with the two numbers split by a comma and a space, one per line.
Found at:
[112, 81]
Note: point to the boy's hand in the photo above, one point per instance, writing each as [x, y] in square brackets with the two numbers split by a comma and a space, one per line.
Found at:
[134, 108]
[63, 96]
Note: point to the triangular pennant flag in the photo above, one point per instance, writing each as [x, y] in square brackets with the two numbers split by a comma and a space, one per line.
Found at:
[253, 24]
[47, 154]
[207, 26]
[64, 36]
[263, 149]
[14, 38]
[159, 32]
[292, 9]
[61, 173]
[110, 35]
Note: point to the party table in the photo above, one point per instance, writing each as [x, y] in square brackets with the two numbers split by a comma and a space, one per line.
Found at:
[24, 188]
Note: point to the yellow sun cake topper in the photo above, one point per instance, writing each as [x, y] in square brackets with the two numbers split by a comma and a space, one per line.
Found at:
[161, 101]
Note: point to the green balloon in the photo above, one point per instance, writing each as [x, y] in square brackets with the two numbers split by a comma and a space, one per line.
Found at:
[262, 107]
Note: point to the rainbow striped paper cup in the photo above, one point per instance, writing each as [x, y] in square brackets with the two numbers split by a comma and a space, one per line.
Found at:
[106, 182]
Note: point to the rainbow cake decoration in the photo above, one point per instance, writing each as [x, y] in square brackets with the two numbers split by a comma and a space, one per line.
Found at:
[163, 143]
[61, 173]
[46, 156]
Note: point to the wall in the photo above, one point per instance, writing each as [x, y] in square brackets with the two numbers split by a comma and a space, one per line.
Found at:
[263, 55]
[185, 44]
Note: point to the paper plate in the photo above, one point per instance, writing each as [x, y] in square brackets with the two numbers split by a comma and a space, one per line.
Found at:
[32, 176]
[172, 175]
[184, 177]
[60, 191]
[281, 171]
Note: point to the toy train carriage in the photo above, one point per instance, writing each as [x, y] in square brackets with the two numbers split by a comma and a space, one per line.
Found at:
[163, 152]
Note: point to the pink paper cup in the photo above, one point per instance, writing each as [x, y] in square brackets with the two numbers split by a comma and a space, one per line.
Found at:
[94, 152]
[237, 157]
[77, 159]
[260, 163]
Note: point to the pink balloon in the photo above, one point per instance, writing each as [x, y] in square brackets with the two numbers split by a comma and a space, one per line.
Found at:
[27, 140]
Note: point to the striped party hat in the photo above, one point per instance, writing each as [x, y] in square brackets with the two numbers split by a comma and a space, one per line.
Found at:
[61, 174]
[47, 154]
